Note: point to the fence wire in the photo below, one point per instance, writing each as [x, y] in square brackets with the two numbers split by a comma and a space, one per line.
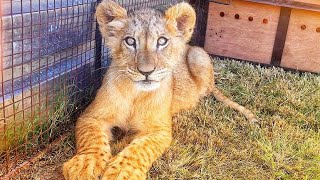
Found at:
[51, 56]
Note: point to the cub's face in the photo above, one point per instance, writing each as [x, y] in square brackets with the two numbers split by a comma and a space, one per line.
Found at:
[146, 44]
[147, 48]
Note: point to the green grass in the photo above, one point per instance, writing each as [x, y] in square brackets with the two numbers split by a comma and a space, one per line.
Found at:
[213, 141]
[34, 122]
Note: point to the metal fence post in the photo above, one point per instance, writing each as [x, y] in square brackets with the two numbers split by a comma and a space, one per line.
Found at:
[98, 53]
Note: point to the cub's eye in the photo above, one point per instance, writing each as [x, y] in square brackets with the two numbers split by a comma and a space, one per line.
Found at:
[162, 41]
[130, 41]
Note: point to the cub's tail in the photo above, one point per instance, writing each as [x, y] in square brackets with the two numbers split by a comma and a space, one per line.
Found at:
[222, 98]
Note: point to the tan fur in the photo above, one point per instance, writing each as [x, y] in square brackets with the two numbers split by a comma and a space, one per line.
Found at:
[180, 75]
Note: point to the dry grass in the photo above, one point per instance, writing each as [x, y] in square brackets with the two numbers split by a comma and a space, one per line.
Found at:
[215, 142]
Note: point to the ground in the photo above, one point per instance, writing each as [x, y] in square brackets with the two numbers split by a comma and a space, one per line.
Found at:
[213, 141]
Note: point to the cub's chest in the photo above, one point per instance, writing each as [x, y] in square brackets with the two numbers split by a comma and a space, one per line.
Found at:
[148, 109]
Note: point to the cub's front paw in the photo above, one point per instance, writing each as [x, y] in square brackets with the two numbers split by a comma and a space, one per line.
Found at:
[85, 166]
[122, 168]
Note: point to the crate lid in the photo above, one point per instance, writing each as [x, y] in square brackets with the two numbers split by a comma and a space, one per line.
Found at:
[313, 5]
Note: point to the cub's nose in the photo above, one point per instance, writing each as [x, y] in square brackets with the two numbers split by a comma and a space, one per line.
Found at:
[146, 73]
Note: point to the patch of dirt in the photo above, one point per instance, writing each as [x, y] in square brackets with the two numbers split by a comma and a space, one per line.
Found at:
[49, 166]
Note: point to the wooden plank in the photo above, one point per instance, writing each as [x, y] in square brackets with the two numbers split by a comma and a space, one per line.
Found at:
[12, 7]
[301, 50]
[250, 37]
[51, 31]
[65, 59]
[313, 5]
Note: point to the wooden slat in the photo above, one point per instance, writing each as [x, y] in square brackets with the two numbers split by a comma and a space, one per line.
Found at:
[302, 48]
[241, 38]
[313, 5]
[55, 27]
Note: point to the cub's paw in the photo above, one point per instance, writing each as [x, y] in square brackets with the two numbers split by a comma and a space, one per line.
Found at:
[85, 166]
[120, 168]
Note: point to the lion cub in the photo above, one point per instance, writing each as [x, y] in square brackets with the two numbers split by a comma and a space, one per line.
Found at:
[153, 75]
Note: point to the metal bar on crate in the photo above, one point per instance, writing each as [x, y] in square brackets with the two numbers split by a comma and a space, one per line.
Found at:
[281, 36]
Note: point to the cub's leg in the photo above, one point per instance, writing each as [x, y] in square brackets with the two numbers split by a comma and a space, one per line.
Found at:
[136, 159]
[93, 150]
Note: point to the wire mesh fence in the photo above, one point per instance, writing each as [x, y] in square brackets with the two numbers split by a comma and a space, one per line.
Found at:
[47, 72]
[52, 61]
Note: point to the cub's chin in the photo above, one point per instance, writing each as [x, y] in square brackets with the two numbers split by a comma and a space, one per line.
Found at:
[147, 85]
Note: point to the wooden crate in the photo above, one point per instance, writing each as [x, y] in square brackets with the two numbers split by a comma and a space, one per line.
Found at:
[242, 30]
[277, 32]
[302, 46]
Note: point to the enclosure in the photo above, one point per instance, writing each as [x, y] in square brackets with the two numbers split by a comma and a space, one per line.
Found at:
[52, 61]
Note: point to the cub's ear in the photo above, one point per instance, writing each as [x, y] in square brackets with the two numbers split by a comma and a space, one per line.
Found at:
[111, 17]
[182, 18]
